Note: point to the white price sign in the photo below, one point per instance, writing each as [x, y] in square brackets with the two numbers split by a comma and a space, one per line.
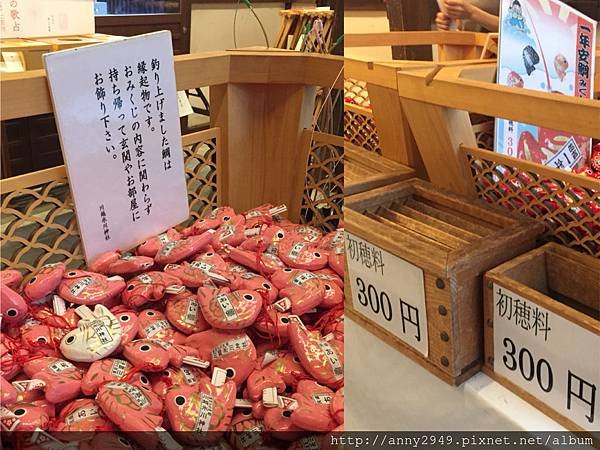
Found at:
[388, 290]
[116, 109]
[548, 356]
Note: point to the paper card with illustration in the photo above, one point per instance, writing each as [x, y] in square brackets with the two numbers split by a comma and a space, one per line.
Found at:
[546, 46]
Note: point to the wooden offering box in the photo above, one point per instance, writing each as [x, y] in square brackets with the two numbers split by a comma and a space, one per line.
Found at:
[542, 332]
[416, 256]
[364, 170]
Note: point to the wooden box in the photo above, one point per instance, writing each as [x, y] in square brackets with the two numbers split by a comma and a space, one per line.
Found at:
[436, 247]
[364, 170]
[542, 332]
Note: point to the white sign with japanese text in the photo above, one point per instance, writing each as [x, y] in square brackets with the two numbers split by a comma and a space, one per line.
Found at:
[35, 18]
[116, 110]
[389, 291]
[548, 356]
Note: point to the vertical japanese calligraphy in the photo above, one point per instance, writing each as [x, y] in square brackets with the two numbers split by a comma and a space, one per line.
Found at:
[547, 46]
[117, 114]
[548, 356]
[388, 290]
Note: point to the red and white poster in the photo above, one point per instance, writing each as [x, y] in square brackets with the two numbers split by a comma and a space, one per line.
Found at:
[547, 46]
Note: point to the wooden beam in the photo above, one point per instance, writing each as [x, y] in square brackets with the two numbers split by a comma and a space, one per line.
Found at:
[575, 115]
[414, 38]
[26, 94]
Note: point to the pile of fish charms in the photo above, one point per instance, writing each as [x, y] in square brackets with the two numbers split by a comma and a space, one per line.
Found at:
[226, 334]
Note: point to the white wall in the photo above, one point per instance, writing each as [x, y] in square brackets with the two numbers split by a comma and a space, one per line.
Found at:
[212, 25]
[367, 22]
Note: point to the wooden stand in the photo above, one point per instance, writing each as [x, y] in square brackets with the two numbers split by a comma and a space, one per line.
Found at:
[437, 102]
[454, 241]
[364, 171]
[394, 134]
[261, 105]
[557, 279]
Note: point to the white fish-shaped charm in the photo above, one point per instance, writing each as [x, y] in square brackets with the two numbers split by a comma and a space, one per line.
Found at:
[97, 335]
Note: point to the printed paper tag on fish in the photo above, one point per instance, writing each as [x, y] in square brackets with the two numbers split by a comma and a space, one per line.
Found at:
[81, 414]
[60, 366]
[322, 399]
[134, 392]
[118, 368]
[80, 285]
[303, 277]
[191, 312]
[231, 346]
[190, 378]
[226, 306]
[207, 404]
[333, 358]
[567, 157]
[155, 327]
[202, 265]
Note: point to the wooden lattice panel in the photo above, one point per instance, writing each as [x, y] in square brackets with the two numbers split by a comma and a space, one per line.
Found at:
[567, 204]
[355, 92]
[324, 193]
[39, 226]
[359, 128]
[200, 153]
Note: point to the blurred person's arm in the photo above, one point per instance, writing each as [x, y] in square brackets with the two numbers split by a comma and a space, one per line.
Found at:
[466, 10]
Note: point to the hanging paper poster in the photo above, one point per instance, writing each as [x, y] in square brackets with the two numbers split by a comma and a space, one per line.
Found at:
[546, 46]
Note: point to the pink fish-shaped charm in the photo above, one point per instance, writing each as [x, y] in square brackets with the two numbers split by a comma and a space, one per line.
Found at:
[60, 380]
[232, 351]
[11, 278]
[128, 266]
[152, 246]
[103, 371]
[273, 322]
[254, 282]
[263, 215]
[25, 416]
[154, 325]
[336, 407]
[231, 232]
[228, 310]
[184, 375]
[149, 287]
[195, 410]
[45, 281]
[103, 261]
[262, 379]
[131, 406]
[313, 411]
[216, 218]
[12, 306]
[183, 312]
[152, 355]
[82, 416]
[263, 263]
[300, 254]
[301, 299]
[322, 359]
[129, 322]
[89, 288]
[176, 251]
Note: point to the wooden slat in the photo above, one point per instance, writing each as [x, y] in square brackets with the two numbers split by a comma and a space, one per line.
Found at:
[572, 114]
[395, 38]
[54, 173]
[26, 94]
